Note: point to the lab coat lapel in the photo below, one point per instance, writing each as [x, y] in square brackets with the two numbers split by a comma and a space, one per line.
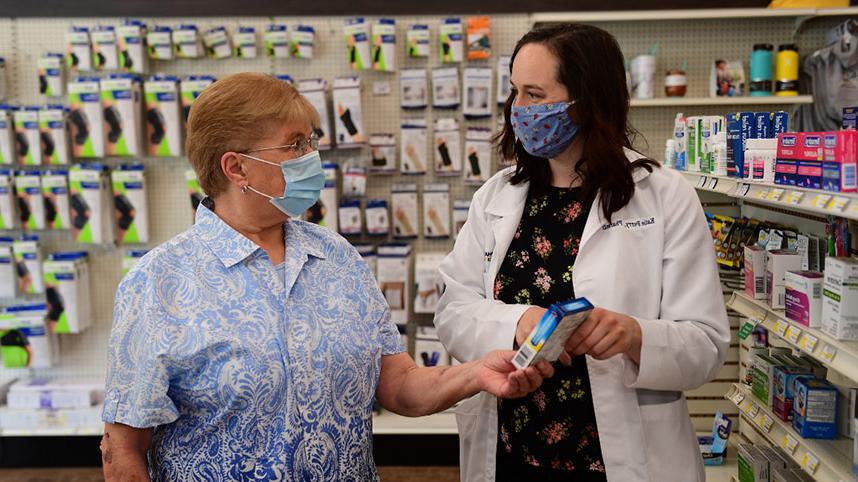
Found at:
[505, 210]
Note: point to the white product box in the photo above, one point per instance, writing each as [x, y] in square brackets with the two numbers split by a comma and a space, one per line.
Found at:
[840, 298]
[302, 42]
[186, 42]
[27, 138]
[129, 201]
[447, 147]
[348, 120]
[7, 136]
[377, 217]
[428, 285]
[32, 347]
[413, 146]
[104, 53]
[86, 117]
[460, 214]
[123, 112]
[8, 201]
[370, 257]
[394, 267]
[436, 210]
[163, 117]
[478, 155]
[91, 204]
[314, 91]
[778, 262]
[244, 42]
[55, 193]
[79, 57]
[160, 42]
[131, 36]
[28, 258]
[383, 153]
[56, 148]
[67, 291]
[428, 349]
[31, 208]
[51, 75]
[8, 270]
[803, 297]
[217, 43]
[350, 221]
[55, 394]
[276, 41]
[477, 87]
[404, 204]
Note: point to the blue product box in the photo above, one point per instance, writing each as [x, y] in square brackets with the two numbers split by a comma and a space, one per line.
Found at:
[780, 122]
[735, 150]
[747, 131]
[763, 125]
[785, 172]
[850, 118]
[809, 174]
[815, 408]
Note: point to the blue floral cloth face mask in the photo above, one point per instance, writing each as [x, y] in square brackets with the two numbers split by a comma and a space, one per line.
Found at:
[544, 130]
[304, 178]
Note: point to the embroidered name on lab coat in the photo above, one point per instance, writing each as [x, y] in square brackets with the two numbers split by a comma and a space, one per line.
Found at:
[636, 224]
[488, 256]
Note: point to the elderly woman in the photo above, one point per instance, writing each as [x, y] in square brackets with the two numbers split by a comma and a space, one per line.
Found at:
[252, 345]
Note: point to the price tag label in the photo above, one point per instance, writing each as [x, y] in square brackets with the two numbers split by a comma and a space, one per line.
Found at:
[776, 194]
[792, 335]
[853, 209]
[713, 183]
[781, 328]
[839, 204]
[381, 88]
[808, 342]
[763, 194]
[754, 410]
[747, 328]
[701, 182]
[794, 197]
[746, 189]
[738, 397]
[810, 463]
[789, 443]
[828, 353]
[741, 190]
[821, 200]
[767, 423]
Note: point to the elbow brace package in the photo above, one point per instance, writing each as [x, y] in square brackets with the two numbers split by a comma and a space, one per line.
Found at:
[217, 43]
[186, 42]
[129, 201]
[160, 43]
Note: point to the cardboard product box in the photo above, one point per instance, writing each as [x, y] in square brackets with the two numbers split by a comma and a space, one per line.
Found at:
[394, 279]
[840, 298]
[28, 136]
[131, 37]
[31, 208]
[55, 194]
[28, 259]
[755, 272]
[53, 129]
[428, 285]
[778, 262]
[55, 394]
[786, 166]
[809, 169]
[86, 117]
[122, 99]
[163, 116]
[803, 297]
[784, 389]
[753, 466]
[839, 161]
[67, 292]
[428, 349]
[762, 386]
[91, 204]
[815, 408]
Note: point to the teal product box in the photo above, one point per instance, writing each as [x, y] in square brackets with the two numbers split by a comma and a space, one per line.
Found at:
[815, 408]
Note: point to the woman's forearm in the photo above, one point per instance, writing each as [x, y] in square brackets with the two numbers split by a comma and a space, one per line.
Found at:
[427, 390]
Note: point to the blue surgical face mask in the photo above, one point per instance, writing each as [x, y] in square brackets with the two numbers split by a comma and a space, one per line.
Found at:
[544, 130]
[304, 178]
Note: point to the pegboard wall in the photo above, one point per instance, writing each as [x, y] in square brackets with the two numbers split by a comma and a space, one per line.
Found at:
[23, 41]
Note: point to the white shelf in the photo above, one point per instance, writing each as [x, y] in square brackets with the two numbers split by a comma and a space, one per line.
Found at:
[724, 101]
[53, 432]
[840, 356]
[811, 201]
[694, 14]
[833, 456]
[388, 423]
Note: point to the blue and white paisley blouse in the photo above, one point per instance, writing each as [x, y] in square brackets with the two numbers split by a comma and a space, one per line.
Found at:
[244, 376]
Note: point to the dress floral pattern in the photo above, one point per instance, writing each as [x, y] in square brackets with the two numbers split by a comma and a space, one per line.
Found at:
[554, 429]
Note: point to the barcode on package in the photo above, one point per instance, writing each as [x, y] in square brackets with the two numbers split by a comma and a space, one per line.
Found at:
[759, 285]
[523, 357]
[849, 176]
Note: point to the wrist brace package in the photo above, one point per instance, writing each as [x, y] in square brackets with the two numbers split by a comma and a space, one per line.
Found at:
[67, 292]
[314, 91]
[244, 43]
[404, 202]
[28, 260]
[28, 346]
[347, 110]
[31, 208]
[350, 222]
[131, 258]
[104, 53]
[477, 89]
[428, 285]
[86, 117]
[413, 146]
[79, 50]
[394, 280]
[132, 53]
[27, 136]
[428, 349]
[324, 212]
[8, 269]
[121, 98]
[160, 42]
[504, 87]
[130, 205]
[478, 155]
[217, 43]
[55, 194]
[7, 136]
[357, 42]
[186, 42]
[302, 42]
[413, 89]
[417, 39]
[354, 181]
[445, 88]
[479, 38]
[163, 120]
[460, 214]
[192, 86]
[91, 204]
[384, 45]
[277, 41]
[448, 147]
[53, 133]
[382, 153]
[451, 37]
[194, 191]
[436, 210]
[8, 201]
[51, 75]
[548, 338]
[377, 218]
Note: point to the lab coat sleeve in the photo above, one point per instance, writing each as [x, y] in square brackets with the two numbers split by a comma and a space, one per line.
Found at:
[686, 347]
[469, 324]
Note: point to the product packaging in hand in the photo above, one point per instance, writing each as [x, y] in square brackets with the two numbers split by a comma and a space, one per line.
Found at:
[548, 338]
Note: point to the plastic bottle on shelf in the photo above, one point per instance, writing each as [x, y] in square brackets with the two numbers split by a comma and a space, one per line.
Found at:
[680, 138]
[670, 153]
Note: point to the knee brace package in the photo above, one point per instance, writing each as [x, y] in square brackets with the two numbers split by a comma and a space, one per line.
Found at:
[90, 200]
[104, 53]
[7, 135]
[27, 138]
[79, 50]
[31, 208]
[163, 120]
[51, 75]
[86, 117]
[8, 200]
[28, 260]
[55, 196]
[53, 133]
[67, 292]
[121, 98]
[192, 86]
[129, 202]
[132, 53]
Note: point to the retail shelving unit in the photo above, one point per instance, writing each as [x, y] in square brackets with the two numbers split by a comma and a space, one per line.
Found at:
[825, 460]
[696, 14]
[721, 101]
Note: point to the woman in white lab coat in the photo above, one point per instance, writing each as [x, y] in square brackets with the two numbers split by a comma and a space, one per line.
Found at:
[634, 232]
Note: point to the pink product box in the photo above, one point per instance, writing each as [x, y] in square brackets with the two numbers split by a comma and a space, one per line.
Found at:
[809, 162]
[839, 163]
[803, 298]
[786, 165]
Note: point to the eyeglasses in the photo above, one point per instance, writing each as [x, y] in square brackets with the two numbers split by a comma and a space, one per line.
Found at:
[298, 147]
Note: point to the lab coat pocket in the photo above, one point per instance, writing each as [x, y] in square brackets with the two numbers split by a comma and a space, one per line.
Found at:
[671, 443]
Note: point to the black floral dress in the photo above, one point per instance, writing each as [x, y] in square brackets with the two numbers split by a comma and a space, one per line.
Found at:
[552, 433]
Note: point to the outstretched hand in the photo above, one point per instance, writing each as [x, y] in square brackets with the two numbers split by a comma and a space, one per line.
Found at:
[502, 379]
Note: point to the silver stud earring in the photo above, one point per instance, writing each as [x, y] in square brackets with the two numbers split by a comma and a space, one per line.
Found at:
[244, 189]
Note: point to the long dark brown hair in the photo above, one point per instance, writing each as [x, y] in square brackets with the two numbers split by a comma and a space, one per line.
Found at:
[590, 65]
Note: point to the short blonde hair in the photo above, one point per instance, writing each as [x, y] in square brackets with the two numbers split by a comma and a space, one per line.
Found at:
[234, 113]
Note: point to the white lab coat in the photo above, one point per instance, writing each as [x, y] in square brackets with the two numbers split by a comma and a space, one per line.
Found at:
[654, 262]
